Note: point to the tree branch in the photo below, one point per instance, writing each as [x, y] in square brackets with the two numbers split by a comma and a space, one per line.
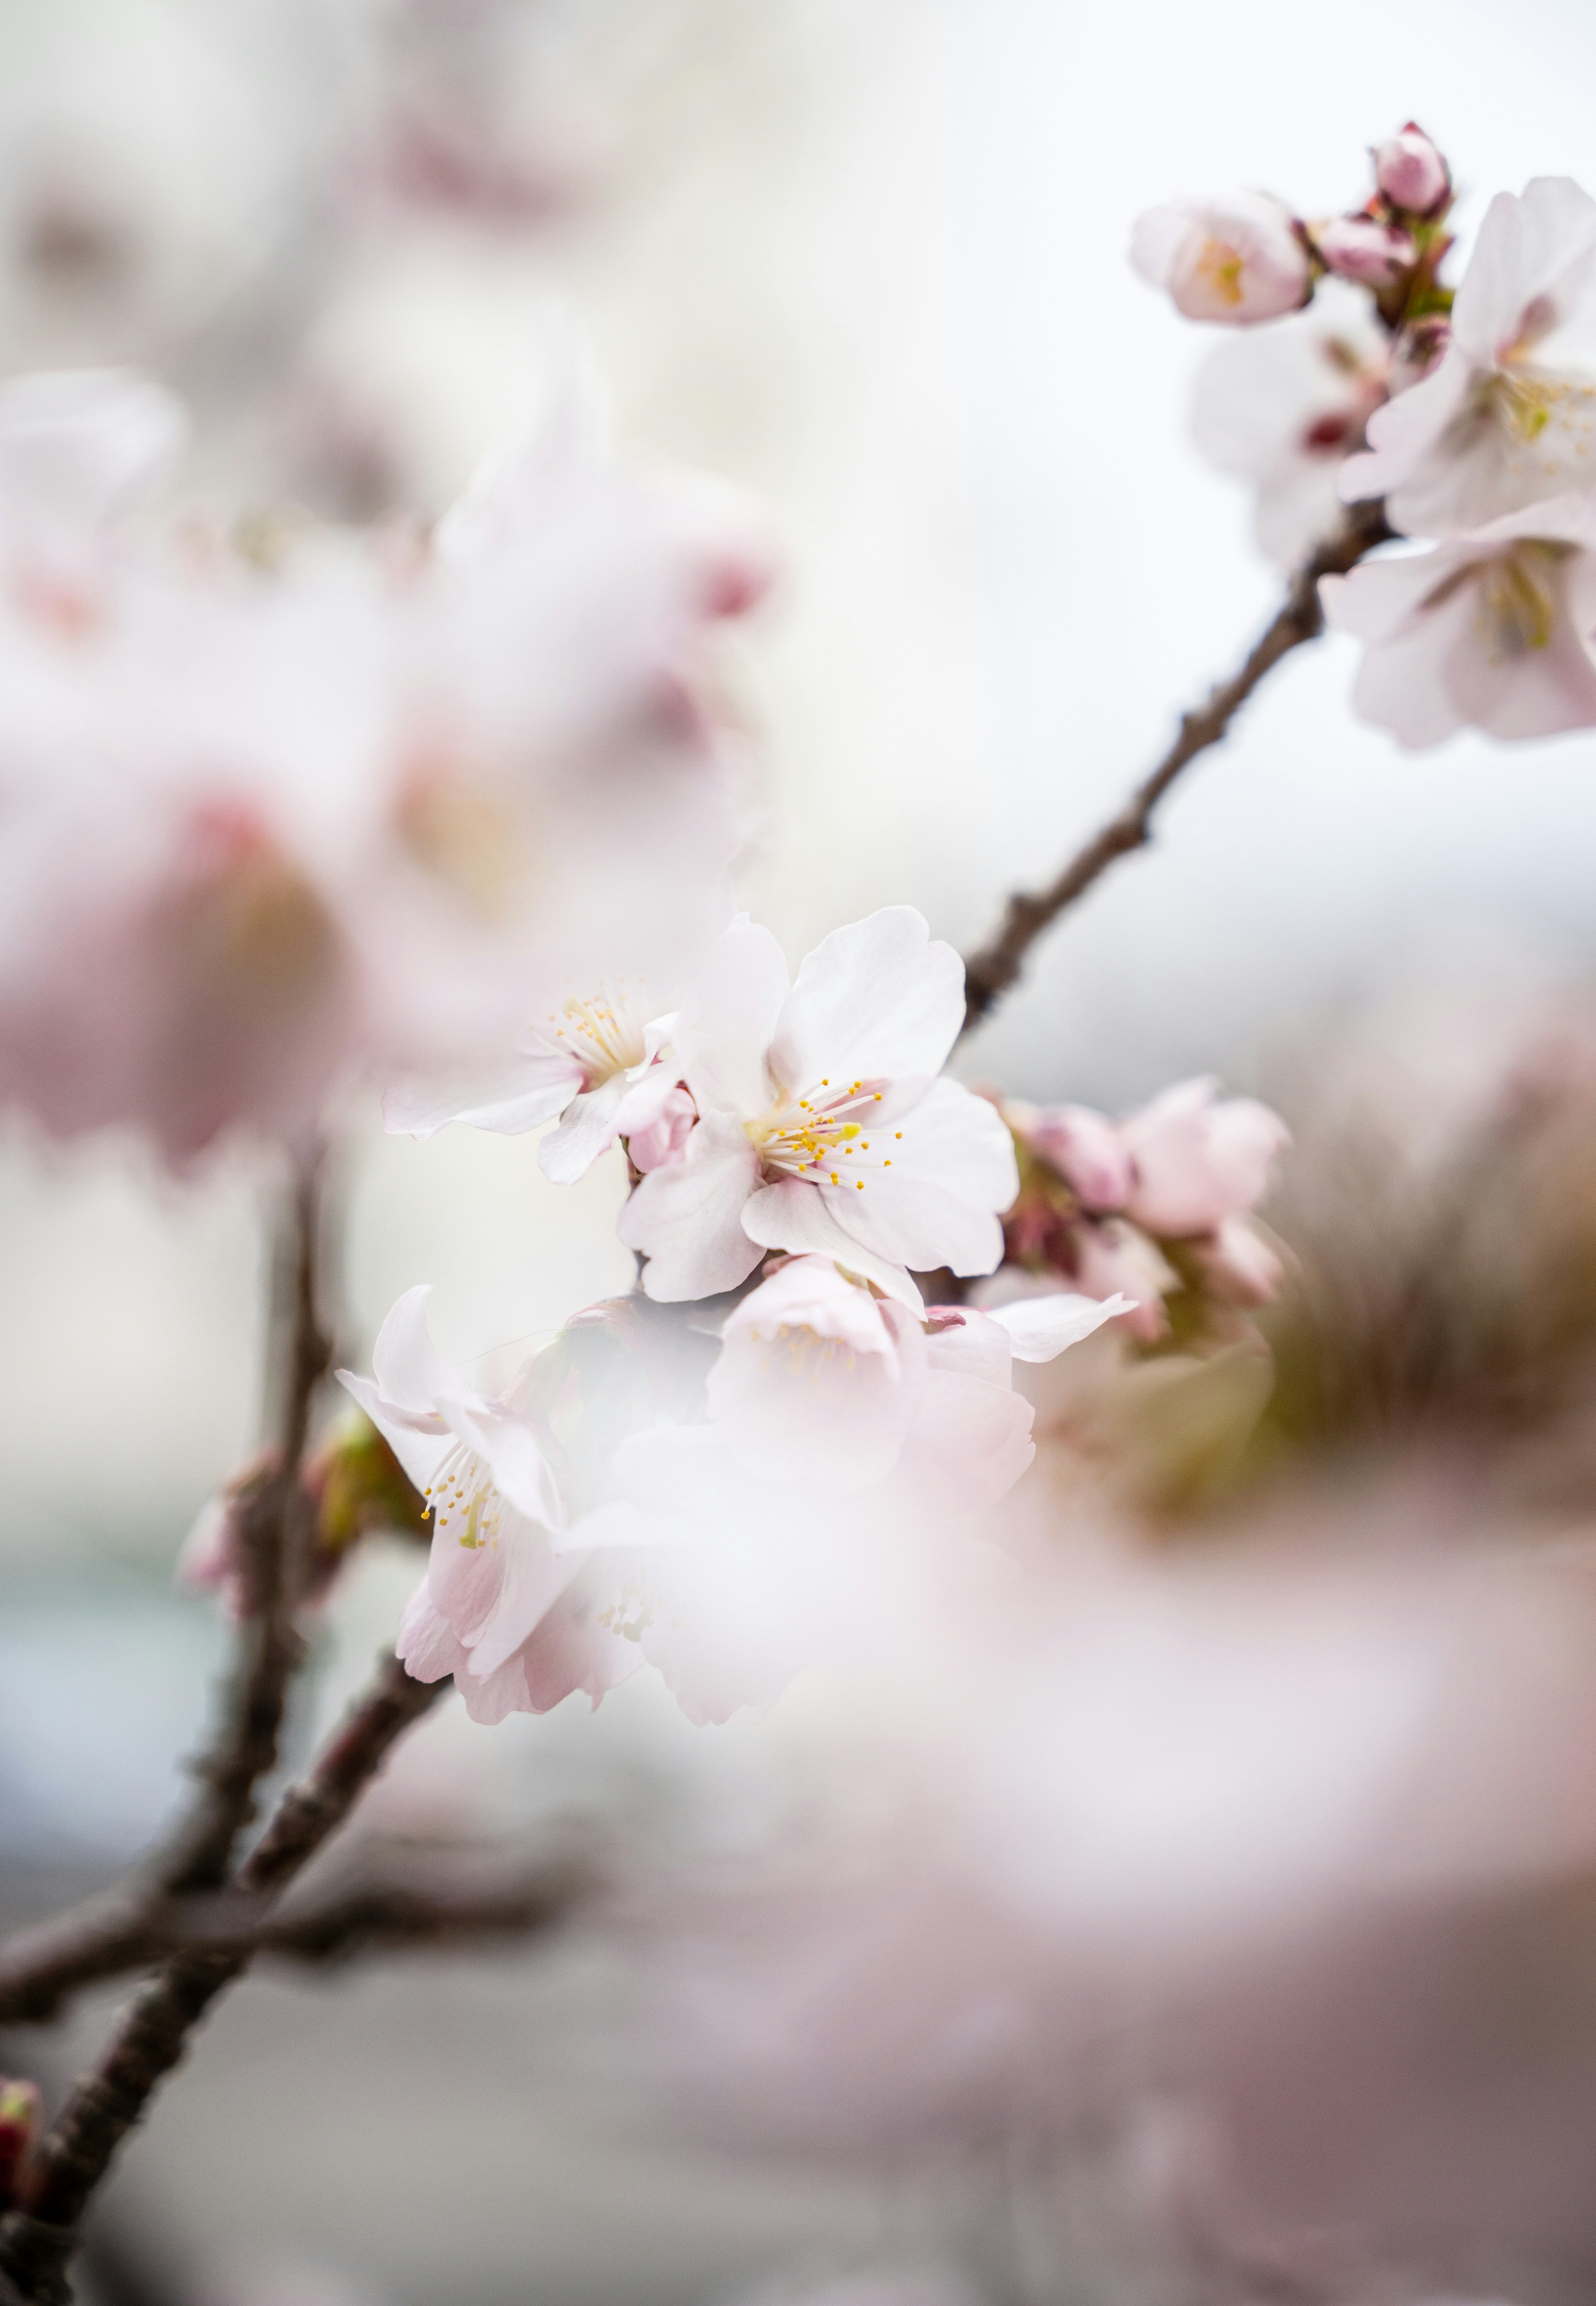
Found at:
[993, 967]
[36, 2238]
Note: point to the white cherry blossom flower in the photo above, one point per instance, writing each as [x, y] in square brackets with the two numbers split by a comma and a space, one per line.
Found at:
[1508, 417]
[1494, 629]
[1283, 407]
[594, 1066]
[1237, 257]
[822, 1123]
[838, 1426]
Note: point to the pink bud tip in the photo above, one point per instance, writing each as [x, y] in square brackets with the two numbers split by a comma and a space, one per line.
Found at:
[1374, 255]
[1411, 172]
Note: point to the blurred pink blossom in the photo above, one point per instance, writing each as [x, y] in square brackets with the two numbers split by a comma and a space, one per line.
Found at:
[1360, 248]
[1284, 406]
[1236, 258]
[1200, 1158]
[1508, 417]
[1494, 629]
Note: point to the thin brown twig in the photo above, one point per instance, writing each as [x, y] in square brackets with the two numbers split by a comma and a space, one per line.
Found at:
[38, 2238]
[993, 967]
[107, 1935]
[380, 1913]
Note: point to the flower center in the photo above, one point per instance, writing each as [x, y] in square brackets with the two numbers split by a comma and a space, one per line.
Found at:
[601, 1033]
[463, 1503]
[1222, 266]
[1519, 599]
[1554, 415]
[823, 1137]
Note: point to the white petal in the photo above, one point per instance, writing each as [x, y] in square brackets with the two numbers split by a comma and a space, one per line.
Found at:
[876, 1000]
[687, 1217]
[420, 1449]
[519, 1097]
[953, 1171]
[532, 1579]
[1041, 1327]
[589, 1127]
[411, 1373]
[724, 1027]
[793, 1215]
[508, 1446]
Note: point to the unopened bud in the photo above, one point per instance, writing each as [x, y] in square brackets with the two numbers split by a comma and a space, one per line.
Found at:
[19, 2127]
[1237, 258]
[1411, 172]
[358, 1487]
[1358, 248]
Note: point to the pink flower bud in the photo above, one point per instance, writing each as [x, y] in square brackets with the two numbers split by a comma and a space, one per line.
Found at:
[19, 2127]
[1084, 1147]
[1114, 1258]
[1237, 1264]
[1237, 258]
[1411, 172]
[663, 1138]
[1200, 1160]
[1375, 255]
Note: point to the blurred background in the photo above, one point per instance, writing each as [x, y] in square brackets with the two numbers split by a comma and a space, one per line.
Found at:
[869, 261]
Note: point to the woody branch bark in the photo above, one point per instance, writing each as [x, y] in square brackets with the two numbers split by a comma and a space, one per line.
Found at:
[38, 2237]
[106, 1936]
[994, 966]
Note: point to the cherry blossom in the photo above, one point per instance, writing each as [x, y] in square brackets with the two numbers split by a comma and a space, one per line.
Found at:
[1508, 417]
[593, 1065]
[1144, 1206]
[1494, 629]
[711, 1545]
[1364, 249]
[346, 804]
[1237, 258]
[1282, 407]
[822, 1123]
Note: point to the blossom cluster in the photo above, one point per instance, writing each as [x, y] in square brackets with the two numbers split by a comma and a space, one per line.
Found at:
[287, 806]
[1469, 414]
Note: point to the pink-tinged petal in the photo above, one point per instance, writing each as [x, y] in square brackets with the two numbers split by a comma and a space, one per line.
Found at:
[661, 1139]
[574, 1648]
[724, 1027]
[809, 1384]
[1040, 1329]
[1198, 1159]
[952, 1171]
[798, 1218]
[1113, 1258]
[687, 1217]
[411, 1373]
[428, 1646]
[532, 1578]
[521, 1096]
[968, 1343]
[1239, 1266]
[1087, 1150]
[513, 1456]
[1406, 429]
[420, 1447]
[874, 1001]
[590, 1127]
[1527, 246]
[646, 1094]
[970, 1444]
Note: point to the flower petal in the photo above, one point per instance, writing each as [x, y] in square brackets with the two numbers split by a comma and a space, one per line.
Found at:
[724, 1027]
[687, 1217]
[952, 1171]
[1040, 1329]
[798, 1217]
[590, 1126]
[876, 999]
[521, 1096]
